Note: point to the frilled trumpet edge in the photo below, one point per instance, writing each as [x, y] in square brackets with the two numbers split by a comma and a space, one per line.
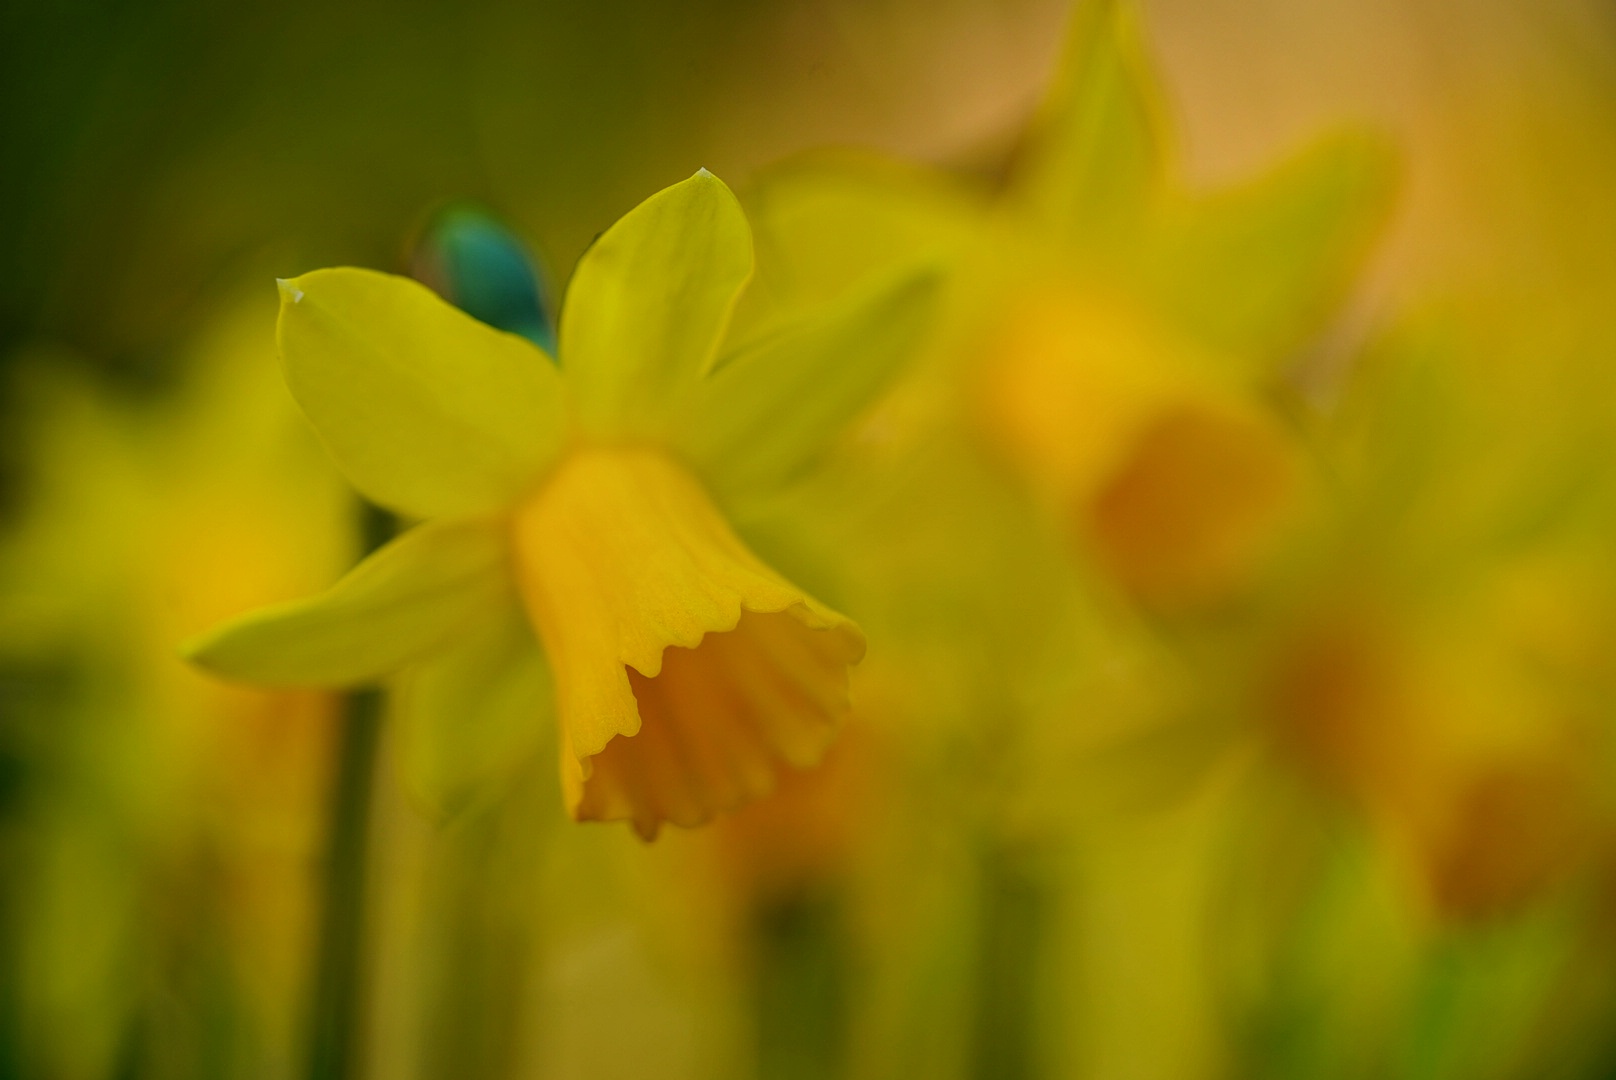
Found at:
[689, 674]
[720, 722]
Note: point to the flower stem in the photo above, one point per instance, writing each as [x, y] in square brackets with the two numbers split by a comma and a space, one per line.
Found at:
[334, 1023]
[801, 989]
[1014, 917]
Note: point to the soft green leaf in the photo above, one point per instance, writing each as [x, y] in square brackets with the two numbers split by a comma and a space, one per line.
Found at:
[650, 301]
[767, 411]
[473, 714]
[397, 606]
[427, 410]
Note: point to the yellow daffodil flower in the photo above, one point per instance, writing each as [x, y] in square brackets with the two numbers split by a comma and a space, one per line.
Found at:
[1103, 415]
[1447, 664]
[572, 512]
[1118, 337]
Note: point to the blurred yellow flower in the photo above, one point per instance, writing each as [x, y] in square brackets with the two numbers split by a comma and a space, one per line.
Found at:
[1175, 481]
[1117, 337]
[1447, 665]
[581, 503]
[163, 802]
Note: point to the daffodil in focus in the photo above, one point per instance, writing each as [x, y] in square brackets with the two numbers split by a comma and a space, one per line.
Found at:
[575, 545]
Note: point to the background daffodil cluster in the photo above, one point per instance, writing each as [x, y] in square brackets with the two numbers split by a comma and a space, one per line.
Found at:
[1087, 553]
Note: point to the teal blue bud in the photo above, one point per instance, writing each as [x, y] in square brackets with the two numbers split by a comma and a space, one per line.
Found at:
[470, 258]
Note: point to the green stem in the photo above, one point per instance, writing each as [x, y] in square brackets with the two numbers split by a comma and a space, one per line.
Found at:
[1014, 917]
[336, 1003]
[334, 1024]
[801, 989]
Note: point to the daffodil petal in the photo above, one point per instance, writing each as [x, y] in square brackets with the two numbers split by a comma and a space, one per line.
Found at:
[649, 302]
[427, 410]
[398, 605]
[833, 222]
[1097, 156]
[1255, 269]
[764, 413]
[474, 713]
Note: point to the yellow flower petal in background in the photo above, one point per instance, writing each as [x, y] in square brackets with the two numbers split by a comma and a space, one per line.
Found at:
[826, 223]
[764, 414]
[401, 603]
[1253, 269]
[688, 673]
[1097, 159]
[428, 411]
[649, 302]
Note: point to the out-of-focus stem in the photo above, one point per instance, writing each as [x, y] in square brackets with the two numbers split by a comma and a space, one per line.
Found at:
[336, 1014]
[801, 990]
[1013, 917]
[334, 1022]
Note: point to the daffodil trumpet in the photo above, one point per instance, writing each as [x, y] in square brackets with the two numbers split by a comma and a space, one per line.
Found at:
[574, 552]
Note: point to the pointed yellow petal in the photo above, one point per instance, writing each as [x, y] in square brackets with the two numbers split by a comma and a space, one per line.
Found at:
[399, 604]
[688, 673]
[427, 410]
[834, 222]
[472, 714]
[649, 302]
[764, 413]
[1097, 156]
[1255, 270]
